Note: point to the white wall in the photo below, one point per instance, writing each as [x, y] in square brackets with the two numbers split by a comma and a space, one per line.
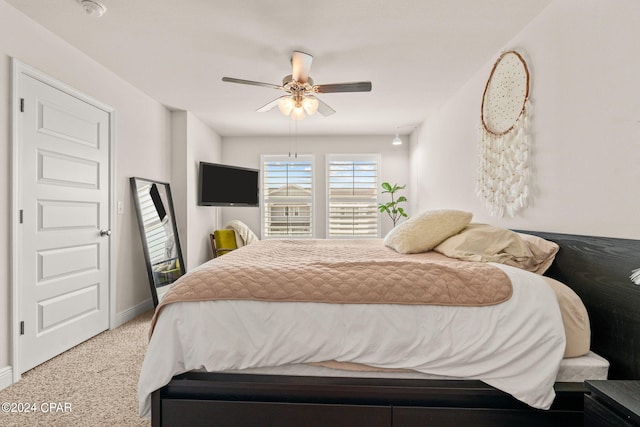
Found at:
[192, 142]
[179, 156]
[204, 145]
[584, 59]
[245, 151]
[142, 149]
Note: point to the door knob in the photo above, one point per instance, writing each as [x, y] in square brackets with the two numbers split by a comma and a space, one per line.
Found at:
[105, 233]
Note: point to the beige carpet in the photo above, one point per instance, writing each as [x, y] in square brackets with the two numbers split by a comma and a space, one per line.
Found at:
[95, 383]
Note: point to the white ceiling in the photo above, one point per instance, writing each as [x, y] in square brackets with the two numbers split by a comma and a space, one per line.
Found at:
[416, 53]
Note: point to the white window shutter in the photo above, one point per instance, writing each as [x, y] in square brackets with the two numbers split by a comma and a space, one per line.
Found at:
[287, 196]
[352, 196]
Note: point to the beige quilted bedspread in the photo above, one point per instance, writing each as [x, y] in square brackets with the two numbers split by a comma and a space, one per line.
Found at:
[340, 271]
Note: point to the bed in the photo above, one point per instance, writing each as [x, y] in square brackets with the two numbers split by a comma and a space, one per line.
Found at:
[595, 268]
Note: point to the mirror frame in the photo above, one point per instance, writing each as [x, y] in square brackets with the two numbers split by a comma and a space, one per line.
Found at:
[134, 181]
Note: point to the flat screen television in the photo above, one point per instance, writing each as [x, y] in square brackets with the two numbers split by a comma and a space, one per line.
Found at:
[224, 185]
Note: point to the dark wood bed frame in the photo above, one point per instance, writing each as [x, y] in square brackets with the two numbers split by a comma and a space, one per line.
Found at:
[596, 268]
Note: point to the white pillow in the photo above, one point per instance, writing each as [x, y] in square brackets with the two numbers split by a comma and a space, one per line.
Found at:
[244, 235]
[424, 232]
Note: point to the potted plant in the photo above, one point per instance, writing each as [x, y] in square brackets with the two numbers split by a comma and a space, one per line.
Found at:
[392, 208]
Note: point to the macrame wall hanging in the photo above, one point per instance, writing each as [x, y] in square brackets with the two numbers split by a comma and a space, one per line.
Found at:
[503, 175]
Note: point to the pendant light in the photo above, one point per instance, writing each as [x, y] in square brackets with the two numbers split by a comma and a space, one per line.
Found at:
[397, 140]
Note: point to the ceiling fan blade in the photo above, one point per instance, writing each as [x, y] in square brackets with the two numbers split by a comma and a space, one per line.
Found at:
[271, 105]
[300, 63]
[324, 109]
[251, 82]
[343, 87]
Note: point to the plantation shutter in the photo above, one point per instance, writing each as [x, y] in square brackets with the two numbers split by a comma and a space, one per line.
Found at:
[287, 196]
[153, 227]
[352, 196]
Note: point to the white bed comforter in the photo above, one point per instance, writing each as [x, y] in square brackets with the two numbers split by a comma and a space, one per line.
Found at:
[515, 346]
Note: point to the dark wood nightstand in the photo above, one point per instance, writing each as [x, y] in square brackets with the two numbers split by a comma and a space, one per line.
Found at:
[612, 403]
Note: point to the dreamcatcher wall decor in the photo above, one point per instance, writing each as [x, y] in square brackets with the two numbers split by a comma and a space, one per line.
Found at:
[503, 147]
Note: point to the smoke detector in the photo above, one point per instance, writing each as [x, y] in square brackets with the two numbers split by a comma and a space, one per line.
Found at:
[93, 7]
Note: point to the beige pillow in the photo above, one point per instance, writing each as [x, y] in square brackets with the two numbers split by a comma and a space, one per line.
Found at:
[543, 251]
[423, 232]
[486, 243]
[574, 317]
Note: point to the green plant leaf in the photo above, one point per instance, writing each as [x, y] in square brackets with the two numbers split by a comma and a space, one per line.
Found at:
[391, 208]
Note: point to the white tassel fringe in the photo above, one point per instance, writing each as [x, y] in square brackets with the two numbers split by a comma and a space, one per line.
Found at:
[503, 172]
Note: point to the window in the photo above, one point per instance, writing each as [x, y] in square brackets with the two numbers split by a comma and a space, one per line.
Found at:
[352, 195]
[287, 196]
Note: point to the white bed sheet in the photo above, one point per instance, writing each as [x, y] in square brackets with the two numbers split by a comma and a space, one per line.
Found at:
[591, 366]
[516, 346]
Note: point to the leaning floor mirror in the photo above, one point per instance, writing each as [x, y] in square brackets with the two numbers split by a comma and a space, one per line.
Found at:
[160, 242]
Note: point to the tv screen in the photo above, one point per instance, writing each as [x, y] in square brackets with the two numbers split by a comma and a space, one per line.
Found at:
[157, 202]
[223, 185]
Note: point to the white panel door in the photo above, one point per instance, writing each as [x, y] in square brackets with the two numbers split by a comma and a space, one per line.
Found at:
[63, 195]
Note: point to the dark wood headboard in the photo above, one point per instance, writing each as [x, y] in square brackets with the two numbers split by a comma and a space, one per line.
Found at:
[598, 269]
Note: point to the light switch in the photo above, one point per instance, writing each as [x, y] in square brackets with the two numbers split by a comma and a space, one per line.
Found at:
[120, 207]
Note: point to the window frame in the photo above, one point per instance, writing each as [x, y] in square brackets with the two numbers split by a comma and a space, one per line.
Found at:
[359, 157]
[307, 158]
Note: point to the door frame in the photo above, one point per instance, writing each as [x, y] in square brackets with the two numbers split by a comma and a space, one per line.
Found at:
[19, 68]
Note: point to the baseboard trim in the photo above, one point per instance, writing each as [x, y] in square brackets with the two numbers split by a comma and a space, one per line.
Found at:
[6, 377]
[132, 312]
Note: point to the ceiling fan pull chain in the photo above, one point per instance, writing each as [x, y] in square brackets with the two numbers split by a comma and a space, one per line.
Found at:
[289, 136]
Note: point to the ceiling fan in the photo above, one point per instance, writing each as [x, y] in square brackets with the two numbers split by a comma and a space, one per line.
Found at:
[301, 90]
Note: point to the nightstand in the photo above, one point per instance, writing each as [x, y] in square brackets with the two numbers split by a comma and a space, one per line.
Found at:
[612, 403]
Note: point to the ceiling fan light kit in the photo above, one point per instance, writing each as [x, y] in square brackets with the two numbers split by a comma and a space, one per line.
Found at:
[297, 114]
[310, 104]
[300, 100]
[297, 106]
[286, 104]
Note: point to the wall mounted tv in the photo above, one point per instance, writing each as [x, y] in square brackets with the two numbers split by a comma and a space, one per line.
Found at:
[224, 185]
